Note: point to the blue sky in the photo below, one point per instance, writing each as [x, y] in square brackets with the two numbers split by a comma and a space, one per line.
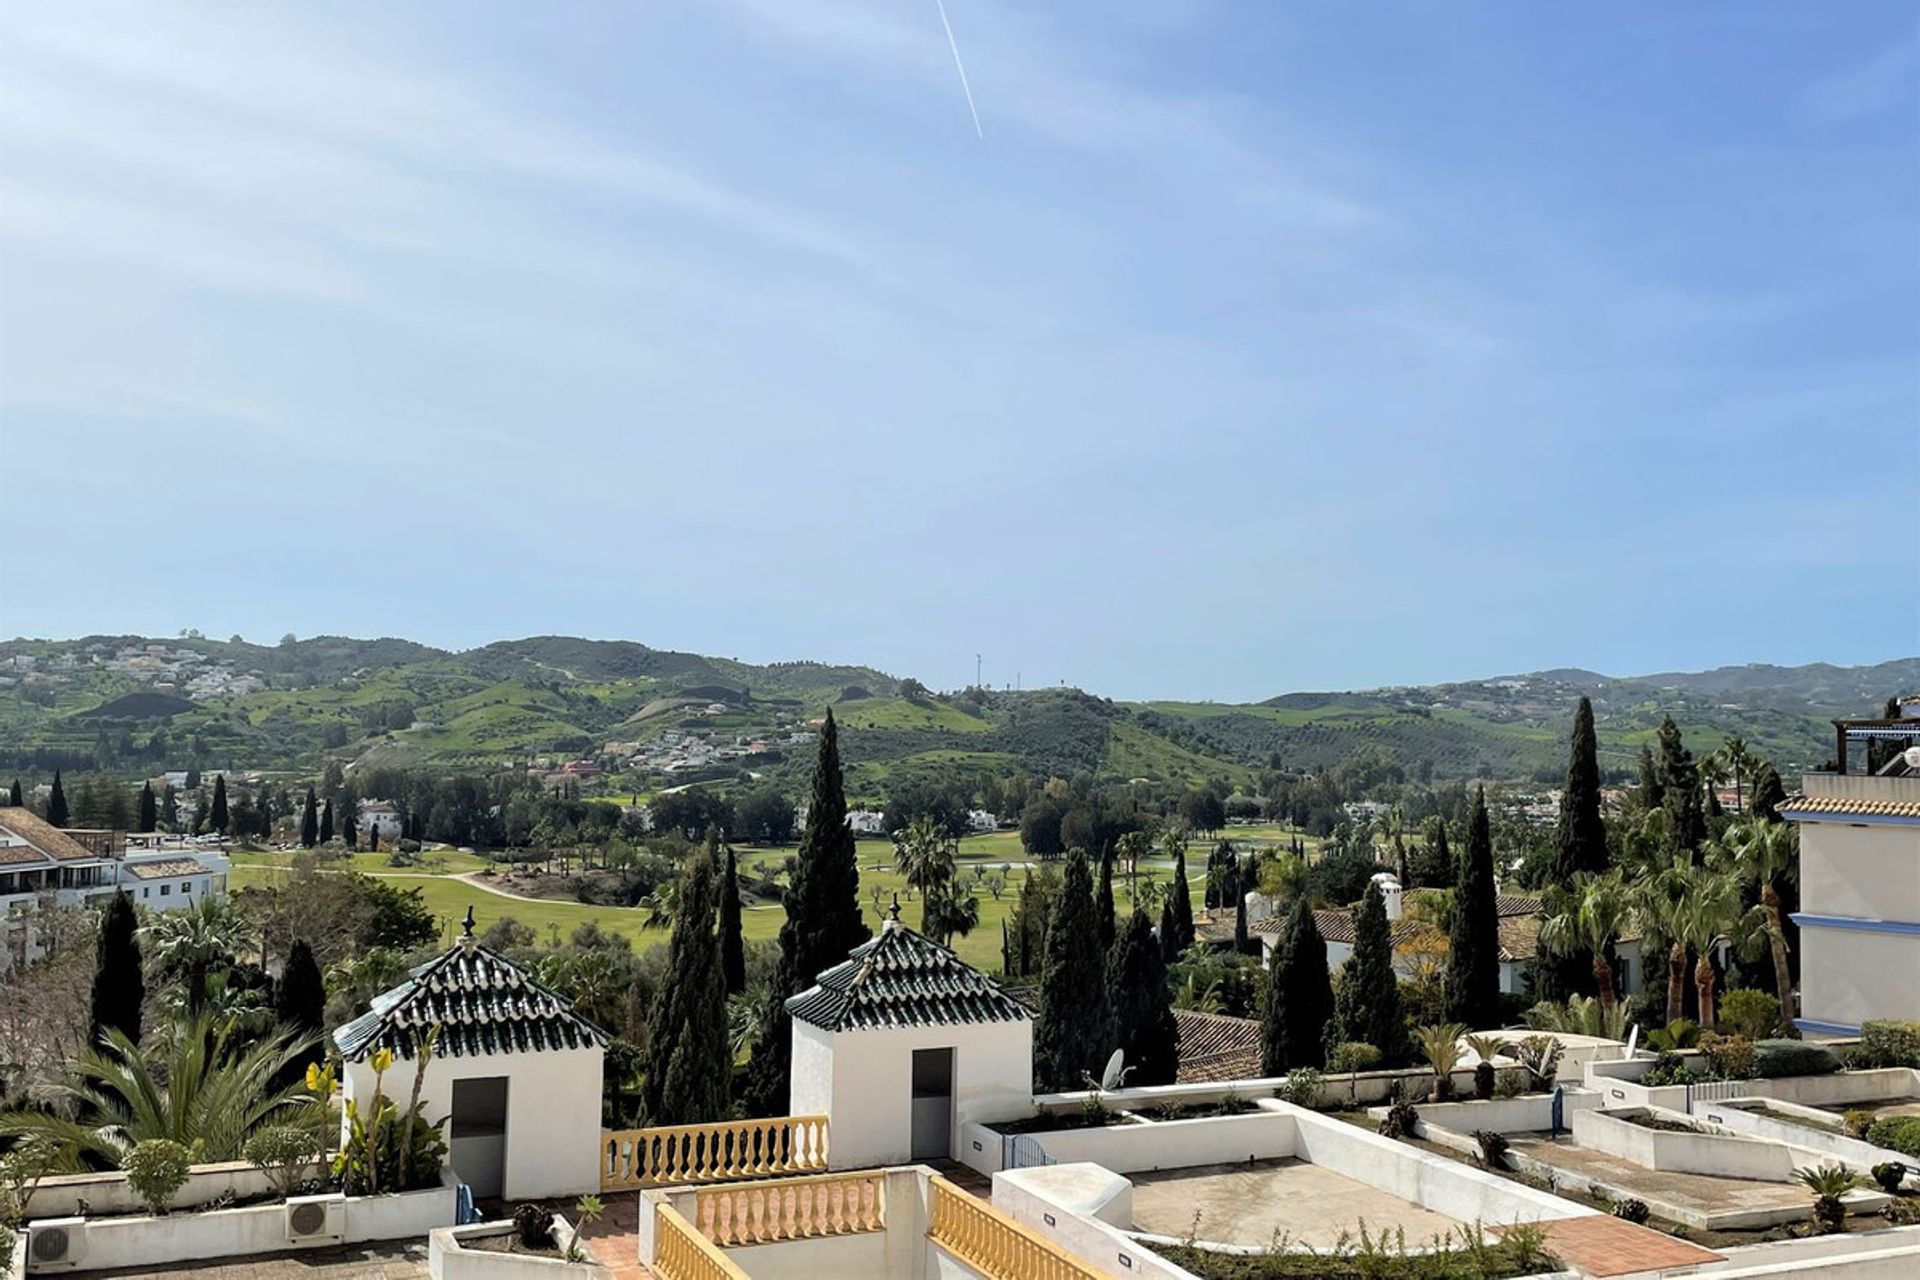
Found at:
[1256, 347]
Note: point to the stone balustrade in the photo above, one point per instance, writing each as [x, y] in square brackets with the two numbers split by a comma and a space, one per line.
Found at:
[682, 1253]
[835, 1204]
[729, 1150]
[994, 1244]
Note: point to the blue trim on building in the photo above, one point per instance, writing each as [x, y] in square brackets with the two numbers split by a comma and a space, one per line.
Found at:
[1856, 924]
[1826, 1028]
[1802, 813]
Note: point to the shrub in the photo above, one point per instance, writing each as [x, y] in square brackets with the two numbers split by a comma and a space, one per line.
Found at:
[1353, 1055]
[156, 1169]
[1493, 1147]
[1753, 1014]
[535, 1225]
[1401, 1118]
[1773, 1059]
[1511, 1084]
[1301, 1087]
[1632, 1210]
[1886, 1043]
[1857, 1122]
[1540, 1055]
[1728, 1057]
[283, 1153]
[1897, 1133]
[1890, 1174]
[1668, 1068]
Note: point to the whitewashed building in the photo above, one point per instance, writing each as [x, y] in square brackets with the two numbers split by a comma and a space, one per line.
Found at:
[515, 1072]
[903, 1044]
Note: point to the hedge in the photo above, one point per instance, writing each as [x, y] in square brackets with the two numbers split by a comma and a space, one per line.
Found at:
[1775, 1058]
[1885, 1042]
[1896, 1133]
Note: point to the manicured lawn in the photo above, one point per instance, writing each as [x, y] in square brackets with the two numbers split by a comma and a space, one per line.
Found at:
[441, 862]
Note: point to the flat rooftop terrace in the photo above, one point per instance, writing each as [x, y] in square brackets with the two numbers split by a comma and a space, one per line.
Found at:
[1256, 1203]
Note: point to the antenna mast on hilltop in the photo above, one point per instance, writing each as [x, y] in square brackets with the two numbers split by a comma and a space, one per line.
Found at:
[976, 671]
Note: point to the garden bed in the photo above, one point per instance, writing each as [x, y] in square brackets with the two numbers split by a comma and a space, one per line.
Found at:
[1370, 1259]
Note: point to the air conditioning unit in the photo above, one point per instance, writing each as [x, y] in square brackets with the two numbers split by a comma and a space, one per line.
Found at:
[317, 1220]
[56, 1244]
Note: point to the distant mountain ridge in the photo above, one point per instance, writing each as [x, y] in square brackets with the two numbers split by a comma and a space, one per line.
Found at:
[132, 704]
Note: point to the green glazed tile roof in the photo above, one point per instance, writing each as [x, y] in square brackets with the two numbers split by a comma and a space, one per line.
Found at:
[900, 979]
[483, 1004]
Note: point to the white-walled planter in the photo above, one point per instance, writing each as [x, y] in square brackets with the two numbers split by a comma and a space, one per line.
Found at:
[1742, 1115]
[1714, 1155]
[87, 1194]
[450, 1257]
[1526, 1113]
[190, 1236]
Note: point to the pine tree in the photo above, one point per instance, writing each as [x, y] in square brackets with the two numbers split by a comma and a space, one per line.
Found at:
[326, 821]
[1768, 793]
[1433, 864]
[13, 794]
[118, 987]
[688, 1065]
[1367, 1006]
[1103, 908]
[310, 821]
[823, 920]
[217, 815]
[1299, 1004]
[149, 812]
[1143, 1025]
[733, 951]
[300, 1005]
[1073, 1032]
[57, 803]
[1180, 898]
[1473, 960]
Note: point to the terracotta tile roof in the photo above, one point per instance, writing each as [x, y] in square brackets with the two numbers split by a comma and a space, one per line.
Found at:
[36, 831]
[1337, 926]
[1517, 904]
[164, 868]
[900, 979]
[1519, 937]
[483, 1004]
[1816, 805]
[22, 855]
[1216, 1047]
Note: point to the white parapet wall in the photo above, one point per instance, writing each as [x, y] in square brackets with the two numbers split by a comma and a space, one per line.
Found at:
[1050, 1202]
[108, 1193]
[1527, 1113]
[1891, 1253]
[451, 1255]
[1743, 1116]
[1713, 1155]
[1174, 1144]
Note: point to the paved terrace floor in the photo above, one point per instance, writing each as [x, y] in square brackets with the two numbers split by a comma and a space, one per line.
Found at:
[1256, 1203]
[393, 1260]
[1690, 1191]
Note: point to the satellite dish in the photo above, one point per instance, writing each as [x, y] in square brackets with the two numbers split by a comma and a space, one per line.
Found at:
[1912, 757]
[1110, 1078]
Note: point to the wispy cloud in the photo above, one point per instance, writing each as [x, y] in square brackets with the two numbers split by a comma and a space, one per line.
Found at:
[1880, 83]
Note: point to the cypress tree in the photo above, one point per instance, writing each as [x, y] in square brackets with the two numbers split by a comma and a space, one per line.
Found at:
[1299, 1004]
[733, 951]
[300, 1005]
[1242, 944]
[1367, 1006]
[149, 813]
[118, 987]
[1169, 931]
[1433, 863]
[170, 807]
[326, 821]
[57, 803]
[217, 815]
[1580, 838]
[1473, 962]
[310, 821]
[1143, 1025]
[823, 920]
[13, 794]
[1768, 794]
[1180, 899]
[1103, 908]
[1073, 1032]
[1680, 783]
[263, 814]
[1652, 790]
[688, 1065]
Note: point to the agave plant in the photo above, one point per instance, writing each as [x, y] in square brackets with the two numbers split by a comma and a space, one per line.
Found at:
[207, 1083]
[1828, 1183]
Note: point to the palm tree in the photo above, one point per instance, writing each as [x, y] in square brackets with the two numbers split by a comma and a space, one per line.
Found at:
[1594, 912]
[207, 1082]
[1740, 759]
[1441, 1045]
[947, 910]
[1393, 828]
[1581, 1016]
[1828, 1183]
[1659, 897]
[196, 940]
[1766, 853]
[662, 905]
[1710, 915]
[925, 854]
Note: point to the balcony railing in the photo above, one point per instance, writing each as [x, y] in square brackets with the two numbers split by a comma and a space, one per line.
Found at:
[834, 1204]
[727, 1151]
[994, 1244]
[681, 1253]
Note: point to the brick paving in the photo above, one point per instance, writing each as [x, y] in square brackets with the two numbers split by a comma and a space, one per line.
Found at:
[1603, 1245]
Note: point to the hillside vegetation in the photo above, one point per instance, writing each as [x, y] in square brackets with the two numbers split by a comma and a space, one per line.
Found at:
[136, 705]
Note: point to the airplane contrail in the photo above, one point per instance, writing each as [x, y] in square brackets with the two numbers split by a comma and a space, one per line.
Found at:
[961, 67]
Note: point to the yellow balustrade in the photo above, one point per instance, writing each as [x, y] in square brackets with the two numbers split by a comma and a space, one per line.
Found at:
[681, 1253]
[994, 1244]
[836, 1204]
[730, 1150]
